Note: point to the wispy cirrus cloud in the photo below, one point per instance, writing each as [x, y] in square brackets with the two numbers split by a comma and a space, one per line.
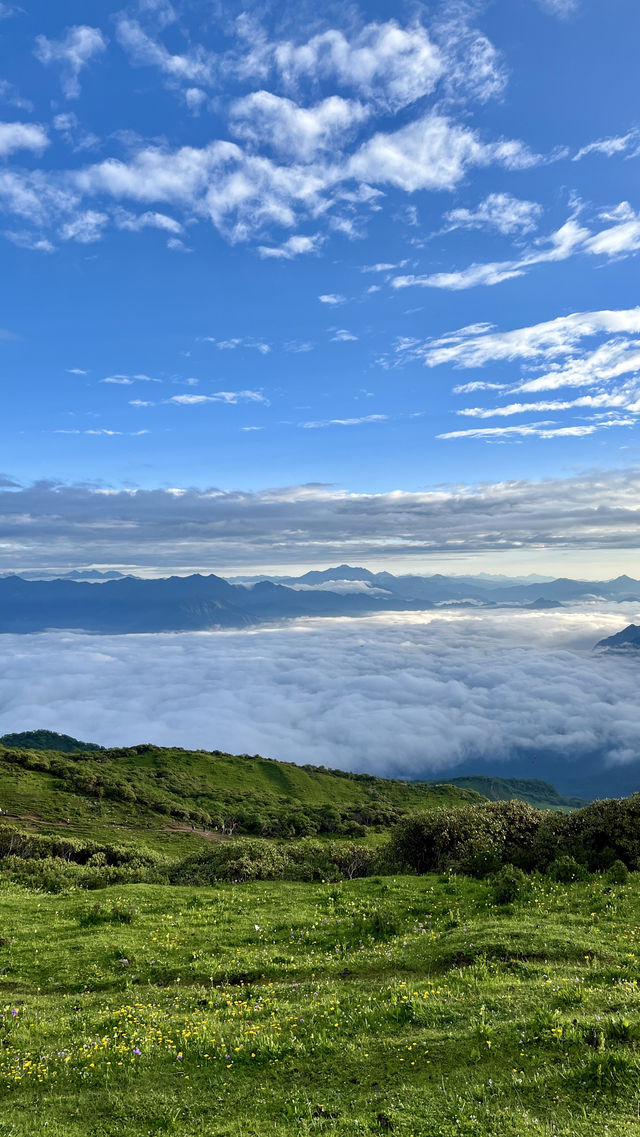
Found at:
[627, 144]
[358, 421]
[229, 397]
[536, 430]
[620, 239]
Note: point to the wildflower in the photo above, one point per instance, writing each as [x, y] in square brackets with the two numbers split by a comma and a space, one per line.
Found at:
[136, 1050]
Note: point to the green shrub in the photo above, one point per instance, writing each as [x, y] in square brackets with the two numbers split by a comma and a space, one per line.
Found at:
[566, 870]
[617, 874]
[239, 860]
[475, 839]
[509, 884]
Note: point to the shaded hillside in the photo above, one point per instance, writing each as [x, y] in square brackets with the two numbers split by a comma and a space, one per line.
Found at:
[159, 795]
[46, 740]
[541, 794]
[628, 640]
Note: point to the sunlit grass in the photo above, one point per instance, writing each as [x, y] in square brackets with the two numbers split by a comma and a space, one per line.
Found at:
[409, 1005]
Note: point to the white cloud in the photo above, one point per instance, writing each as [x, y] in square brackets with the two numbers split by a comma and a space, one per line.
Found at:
[293, 131]
[237, 341]
[193, 66]
[220, 397]
[86, 228]
[363, 694]
[627, 399]
[609, 147]
[536, 430]
[477, 385]
[22, 136]
[382, 266]
[343, 421]
[10, 95]
[343, 336]
[561, 8]
[560, 245]
[475, 346]
[499, 211]
[75, 52]
[148, 220]
[27, 240]
[332, 298]
[316, 524]
[293, 247]
[620, 239]
[431, 153]
[384, 62]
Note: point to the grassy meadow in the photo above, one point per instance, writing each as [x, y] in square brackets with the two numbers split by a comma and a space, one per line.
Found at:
[406, 1005]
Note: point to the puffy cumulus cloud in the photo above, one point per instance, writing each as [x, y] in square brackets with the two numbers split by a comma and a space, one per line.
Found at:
[320, 148]
[48, 524]
[419, 694]
[294, 131]
[73, 53]
[22, 136]
[431, 153]
[383, 62]
[501, 211]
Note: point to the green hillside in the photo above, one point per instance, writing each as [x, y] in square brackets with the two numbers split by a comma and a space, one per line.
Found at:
[165, 798]
[541, 794]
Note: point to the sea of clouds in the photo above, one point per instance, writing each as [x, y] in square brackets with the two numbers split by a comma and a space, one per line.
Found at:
[392, 693]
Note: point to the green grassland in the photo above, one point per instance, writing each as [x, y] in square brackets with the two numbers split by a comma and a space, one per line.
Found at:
[399, 1005]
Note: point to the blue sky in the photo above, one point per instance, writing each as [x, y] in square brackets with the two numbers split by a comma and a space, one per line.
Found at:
[313, 259]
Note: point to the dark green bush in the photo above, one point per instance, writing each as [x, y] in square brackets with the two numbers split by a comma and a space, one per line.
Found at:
[238, 860]
[617, 874]
[509, 884]
[566, 870]
[474, 839]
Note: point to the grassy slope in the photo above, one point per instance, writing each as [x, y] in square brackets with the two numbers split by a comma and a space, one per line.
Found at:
[210, 781]
[405, 1006]
[541, 794]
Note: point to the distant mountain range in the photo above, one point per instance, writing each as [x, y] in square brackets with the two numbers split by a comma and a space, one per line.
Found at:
[195, 603]
[536, 792]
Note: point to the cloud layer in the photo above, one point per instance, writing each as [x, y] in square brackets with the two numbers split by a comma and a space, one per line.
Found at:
[401, 694]
[51, 525]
